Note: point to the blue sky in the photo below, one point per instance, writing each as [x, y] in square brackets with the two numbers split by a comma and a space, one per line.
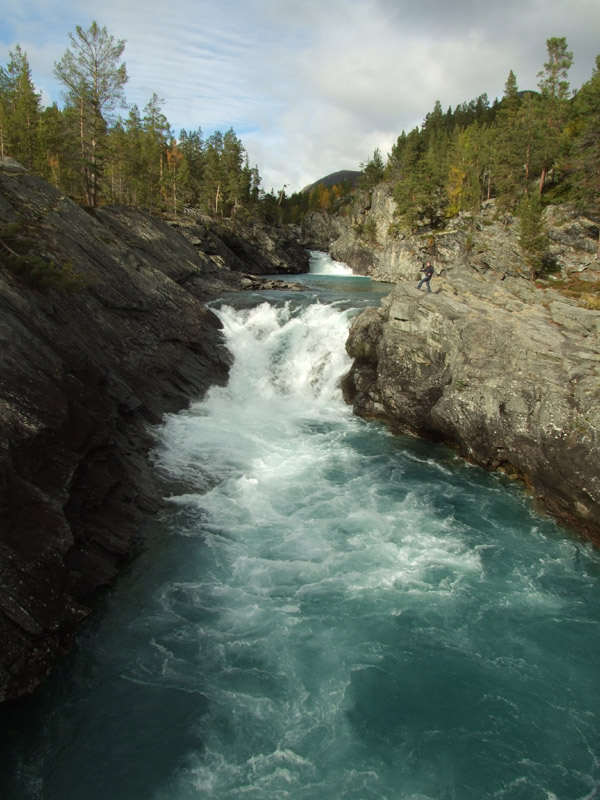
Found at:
[310, 86]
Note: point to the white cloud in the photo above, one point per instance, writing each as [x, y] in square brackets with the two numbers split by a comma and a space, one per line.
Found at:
[311, 87]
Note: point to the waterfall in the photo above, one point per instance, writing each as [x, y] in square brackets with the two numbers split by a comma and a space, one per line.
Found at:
[322, 264]
[324, 610]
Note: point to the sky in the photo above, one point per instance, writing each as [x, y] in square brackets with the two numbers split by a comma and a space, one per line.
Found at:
[309, 86]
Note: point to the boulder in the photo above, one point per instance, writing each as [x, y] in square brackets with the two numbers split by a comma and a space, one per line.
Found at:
[506, 372]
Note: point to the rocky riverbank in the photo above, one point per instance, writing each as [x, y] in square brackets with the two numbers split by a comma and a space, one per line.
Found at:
[104, 328]
[508, 373]
[506, 370]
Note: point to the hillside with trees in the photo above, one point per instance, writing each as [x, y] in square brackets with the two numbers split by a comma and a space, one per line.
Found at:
[526, 150]
[95, 156]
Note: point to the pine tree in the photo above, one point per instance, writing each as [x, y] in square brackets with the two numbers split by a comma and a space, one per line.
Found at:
[155, 142]
[533, 238]
[553, 78]
[585, 147]
[232, 164]
[115, 169]
[51, 153]
[255, 181]
[19, 110]
[507, 170]
[211, 192]
[192, 147]
[433, 168]
[554, 106]
[177, 173]
[373, 171]
[94, 82]
[407, 157]
[393, 167]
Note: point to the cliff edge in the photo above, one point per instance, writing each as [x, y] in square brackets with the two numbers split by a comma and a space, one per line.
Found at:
[507, 372]
[104, 328]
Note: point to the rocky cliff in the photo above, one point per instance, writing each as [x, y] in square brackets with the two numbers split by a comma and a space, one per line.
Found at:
[104, 328]
[370, 238]
[507, 371]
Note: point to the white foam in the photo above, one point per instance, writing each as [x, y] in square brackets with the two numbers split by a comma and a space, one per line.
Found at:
[322, 264]
[322, 562]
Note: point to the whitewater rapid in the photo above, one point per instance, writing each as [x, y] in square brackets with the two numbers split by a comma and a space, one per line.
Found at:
[324, 610]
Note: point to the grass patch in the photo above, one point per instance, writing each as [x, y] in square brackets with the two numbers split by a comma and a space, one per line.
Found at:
[20, 255]
[586, 293]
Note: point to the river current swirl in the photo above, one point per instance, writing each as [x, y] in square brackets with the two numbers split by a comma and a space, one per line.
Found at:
[323, 610]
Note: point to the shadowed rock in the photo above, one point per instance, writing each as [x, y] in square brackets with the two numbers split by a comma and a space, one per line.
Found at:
[104, 328]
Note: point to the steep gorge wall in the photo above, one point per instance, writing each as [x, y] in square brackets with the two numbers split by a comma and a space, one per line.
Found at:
[84, 372]
[506, 371]
[371, 240]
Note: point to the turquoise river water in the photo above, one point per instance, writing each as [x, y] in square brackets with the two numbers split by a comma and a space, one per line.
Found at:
[323, 610]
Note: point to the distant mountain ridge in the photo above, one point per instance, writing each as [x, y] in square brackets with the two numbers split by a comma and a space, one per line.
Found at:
[334, 178]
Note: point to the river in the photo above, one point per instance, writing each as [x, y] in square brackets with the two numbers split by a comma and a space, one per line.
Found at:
[323, 610]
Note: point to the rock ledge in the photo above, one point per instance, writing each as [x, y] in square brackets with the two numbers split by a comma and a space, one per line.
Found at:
[508, 373]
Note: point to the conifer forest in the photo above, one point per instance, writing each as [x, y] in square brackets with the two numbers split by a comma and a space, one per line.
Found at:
[530, 147]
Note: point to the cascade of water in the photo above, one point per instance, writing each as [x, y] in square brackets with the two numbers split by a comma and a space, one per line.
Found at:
[322, 264]
[331, 612]
[286, 372]
[354, 618]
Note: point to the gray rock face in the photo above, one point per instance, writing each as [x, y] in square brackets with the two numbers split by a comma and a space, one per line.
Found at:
[84, 373]
[508, 373]
[484, 242]
[247, 246]
[319, 230]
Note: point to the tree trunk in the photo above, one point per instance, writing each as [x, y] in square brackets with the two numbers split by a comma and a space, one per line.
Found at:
[542, 180]
[94, 175]
[84, 167]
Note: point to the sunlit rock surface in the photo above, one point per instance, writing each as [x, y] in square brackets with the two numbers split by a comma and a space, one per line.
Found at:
[508, 373]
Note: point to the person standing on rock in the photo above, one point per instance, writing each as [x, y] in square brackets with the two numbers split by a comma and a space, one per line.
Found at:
[427, 271]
